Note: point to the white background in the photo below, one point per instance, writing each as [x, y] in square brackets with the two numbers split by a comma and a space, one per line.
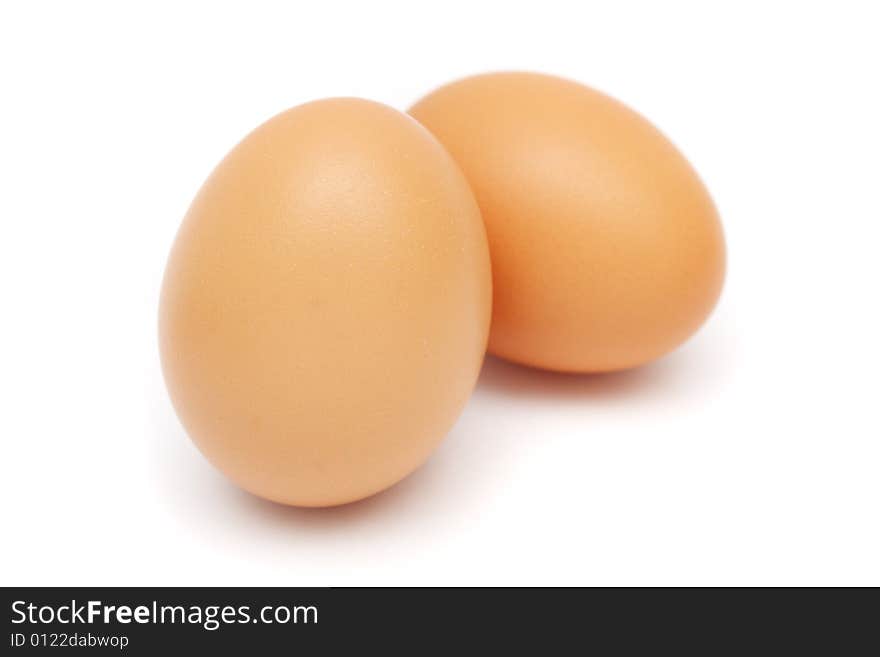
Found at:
[750, 456]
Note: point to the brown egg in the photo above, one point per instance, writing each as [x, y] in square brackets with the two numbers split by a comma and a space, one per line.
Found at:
[326, 304]
[607, 250]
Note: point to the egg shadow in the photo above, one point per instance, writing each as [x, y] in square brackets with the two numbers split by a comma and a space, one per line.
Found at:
[398, 500]
[504, 378]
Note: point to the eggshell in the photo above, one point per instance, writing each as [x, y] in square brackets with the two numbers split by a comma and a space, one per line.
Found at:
[325, 308]
[607, 251]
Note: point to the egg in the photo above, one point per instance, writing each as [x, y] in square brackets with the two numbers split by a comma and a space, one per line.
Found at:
[607, 250]
[325, 307]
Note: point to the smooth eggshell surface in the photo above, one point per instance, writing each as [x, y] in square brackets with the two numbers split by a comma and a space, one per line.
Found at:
[326, 304]
[607, 251]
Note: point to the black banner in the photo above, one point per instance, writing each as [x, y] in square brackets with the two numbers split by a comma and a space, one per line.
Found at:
[412, 621]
